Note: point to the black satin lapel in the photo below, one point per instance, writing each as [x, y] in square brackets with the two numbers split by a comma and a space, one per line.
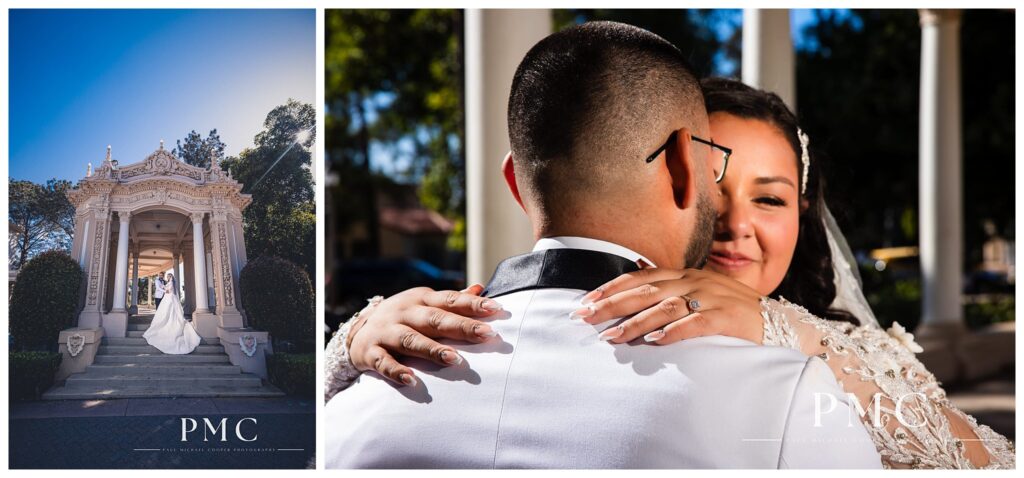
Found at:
[557, 269]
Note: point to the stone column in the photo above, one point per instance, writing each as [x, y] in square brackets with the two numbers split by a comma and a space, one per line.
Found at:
[941, 158]
[135, 283]
[96, 244]
[223, 273]
[107, 298]
[149, 280]
[80, 243]
[115, 323]
[199, 263]
[121, 267]
[176, 267]
[496, 41]
[204, 321]
[769, 61]
[238, 258]
[189, 280]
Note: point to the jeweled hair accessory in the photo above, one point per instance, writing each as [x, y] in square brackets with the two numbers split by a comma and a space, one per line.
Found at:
[805, 158]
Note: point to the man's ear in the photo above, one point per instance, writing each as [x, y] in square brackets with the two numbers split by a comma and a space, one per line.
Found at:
[682, 169]
[509, 170]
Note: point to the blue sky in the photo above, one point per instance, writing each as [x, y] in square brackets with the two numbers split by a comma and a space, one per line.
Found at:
[83, 79]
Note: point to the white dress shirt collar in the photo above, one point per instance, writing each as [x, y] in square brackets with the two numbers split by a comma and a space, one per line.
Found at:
[586, 243]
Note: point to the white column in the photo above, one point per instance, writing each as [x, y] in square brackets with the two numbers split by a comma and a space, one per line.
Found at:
[199, 263]
[135, 282]
[769, 61]
[121, 267]
[496, 41]
[177, 284]
[149, 298]
[82, 240]
[188, 280]
[941, 188]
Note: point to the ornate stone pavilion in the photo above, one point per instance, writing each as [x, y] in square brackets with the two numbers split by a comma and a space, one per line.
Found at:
[151, 216]
[139, 220]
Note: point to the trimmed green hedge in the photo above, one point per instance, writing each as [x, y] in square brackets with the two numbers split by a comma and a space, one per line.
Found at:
[44, 301]
[295, 374]
[31, 373]
[278, 298]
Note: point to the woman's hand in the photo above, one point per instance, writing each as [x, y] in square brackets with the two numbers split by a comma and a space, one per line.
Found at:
[664, 316]
[406, 323]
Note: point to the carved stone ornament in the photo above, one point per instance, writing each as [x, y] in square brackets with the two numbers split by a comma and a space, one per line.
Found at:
[76, 342]
[248, 344]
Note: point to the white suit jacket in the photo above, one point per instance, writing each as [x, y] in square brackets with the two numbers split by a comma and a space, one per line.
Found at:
[547, 393]
[158, 291]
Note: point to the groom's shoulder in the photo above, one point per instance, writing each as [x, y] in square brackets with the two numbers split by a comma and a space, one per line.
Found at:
[729, 356]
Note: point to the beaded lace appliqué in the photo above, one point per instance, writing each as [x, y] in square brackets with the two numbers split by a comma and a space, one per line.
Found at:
[878, 367]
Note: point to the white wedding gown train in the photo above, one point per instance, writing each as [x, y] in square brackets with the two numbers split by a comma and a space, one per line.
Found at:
[170, 332]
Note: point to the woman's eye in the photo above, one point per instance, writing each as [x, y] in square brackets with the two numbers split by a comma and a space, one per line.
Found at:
[770, 201]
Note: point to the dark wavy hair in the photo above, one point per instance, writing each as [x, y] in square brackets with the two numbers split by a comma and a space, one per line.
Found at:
[810, 278]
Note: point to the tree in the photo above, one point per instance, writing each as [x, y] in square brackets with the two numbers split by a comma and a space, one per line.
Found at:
[197, 151]
[44, 300]
[41, 219]
[381, 93]
[858, 86]
[281, 219]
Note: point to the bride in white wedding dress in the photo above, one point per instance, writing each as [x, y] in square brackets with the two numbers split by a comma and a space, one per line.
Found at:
[170, 332]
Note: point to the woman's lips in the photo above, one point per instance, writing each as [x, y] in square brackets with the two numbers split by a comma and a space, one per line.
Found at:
[730, 260]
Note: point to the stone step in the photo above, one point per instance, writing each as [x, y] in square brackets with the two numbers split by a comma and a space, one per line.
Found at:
[160, 358]
[160, 391]
[139, 340]
[140, 320]
[140, 327]
[149, 349]
[84, 381]
[164, 370]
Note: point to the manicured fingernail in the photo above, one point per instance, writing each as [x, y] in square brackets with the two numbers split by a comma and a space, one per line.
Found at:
[581, 313]
[408, 379]
[451, 358]
[484, 330]
[490, 305]
[612, 333]
[593, 295]
[654, 336]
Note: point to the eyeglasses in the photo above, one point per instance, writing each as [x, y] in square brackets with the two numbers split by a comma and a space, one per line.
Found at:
[719, 155]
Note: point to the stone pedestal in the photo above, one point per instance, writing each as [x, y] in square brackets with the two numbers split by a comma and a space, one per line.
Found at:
[940, 343]
[257, 364]
[988, 351]
[206, 323]
[69, 364]
[115, 323]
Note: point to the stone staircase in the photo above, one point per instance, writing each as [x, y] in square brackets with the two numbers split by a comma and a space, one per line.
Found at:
[128, 367]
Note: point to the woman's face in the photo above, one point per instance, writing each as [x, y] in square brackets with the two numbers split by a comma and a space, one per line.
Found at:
[759, 215]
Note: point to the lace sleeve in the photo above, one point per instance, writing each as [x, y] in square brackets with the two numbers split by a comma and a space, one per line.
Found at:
[903, 407]
[340, 373]
[338, 369]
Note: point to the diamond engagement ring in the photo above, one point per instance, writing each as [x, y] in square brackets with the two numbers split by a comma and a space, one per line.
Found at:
[692, 304]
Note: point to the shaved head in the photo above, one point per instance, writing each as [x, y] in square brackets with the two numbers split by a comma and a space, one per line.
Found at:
[588, 104]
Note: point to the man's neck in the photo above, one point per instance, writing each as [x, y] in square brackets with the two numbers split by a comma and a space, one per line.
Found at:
[630, 238]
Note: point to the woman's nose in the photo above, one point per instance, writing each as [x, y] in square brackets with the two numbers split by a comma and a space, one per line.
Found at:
[733, 221]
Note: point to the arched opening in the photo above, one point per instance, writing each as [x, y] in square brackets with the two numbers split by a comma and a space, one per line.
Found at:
[158, 236]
